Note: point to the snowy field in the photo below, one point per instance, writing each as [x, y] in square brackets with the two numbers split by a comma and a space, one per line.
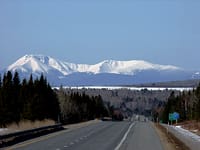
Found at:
[129, 88]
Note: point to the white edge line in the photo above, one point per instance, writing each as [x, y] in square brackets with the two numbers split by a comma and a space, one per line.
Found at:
[124, 137]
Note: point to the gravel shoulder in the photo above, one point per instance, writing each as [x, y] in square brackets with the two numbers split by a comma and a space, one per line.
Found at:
[168, 140]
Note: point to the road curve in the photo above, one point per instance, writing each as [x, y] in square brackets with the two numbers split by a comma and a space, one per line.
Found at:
[100, 136]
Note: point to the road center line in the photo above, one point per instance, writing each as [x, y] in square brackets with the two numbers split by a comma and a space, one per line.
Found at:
[124, 137]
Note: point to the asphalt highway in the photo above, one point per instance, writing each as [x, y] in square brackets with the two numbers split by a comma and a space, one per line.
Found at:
[106, 135]
[142, 137]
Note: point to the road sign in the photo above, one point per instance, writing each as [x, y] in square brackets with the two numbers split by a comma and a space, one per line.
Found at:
[174, 116]
[171, 116]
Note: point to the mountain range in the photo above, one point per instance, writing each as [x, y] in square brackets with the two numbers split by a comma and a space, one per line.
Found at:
[107, 72]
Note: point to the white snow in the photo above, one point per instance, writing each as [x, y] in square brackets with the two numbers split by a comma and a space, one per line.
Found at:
[3, 130]
[30, 63]
[128, 88]
[187, 133]
[40, 63]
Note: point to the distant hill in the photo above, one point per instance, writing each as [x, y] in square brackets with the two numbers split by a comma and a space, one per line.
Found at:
[108, 72]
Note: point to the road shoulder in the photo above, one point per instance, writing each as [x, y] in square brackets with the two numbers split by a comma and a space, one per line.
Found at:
[168, 140]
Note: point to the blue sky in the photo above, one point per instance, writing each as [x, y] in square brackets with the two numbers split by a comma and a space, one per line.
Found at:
[159, 31]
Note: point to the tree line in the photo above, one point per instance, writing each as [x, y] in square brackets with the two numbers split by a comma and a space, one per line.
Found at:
[186, 103]
[76, 107]
[26, 100]
[34, 99]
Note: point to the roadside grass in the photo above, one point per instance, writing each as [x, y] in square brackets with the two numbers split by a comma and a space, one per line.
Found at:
[26, 125]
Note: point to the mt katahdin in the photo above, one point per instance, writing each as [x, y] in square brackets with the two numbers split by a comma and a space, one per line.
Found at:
[108, 72]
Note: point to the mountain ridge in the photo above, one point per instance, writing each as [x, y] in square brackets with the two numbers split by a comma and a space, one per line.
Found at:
[43, 63]
[103, 73]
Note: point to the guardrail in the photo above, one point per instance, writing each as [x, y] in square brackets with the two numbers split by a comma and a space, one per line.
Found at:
[16, 137]
[189, 139]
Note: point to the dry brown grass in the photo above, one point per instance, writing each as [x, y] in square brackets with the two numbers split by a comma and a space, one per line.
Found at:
[193, 126]
[26, 124]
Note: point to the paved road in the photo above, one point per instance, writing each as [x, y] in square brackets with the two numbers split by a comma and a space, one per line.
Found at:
[142, 137]
[100, 136]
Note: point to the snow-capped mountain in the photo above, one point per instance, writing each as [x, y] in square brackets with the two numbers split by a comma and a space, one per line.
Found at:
[104, 73]
[39, 63]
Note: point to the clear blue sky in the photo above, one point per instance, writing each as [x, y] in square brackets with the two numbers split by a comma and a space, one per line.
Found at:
[159, 31]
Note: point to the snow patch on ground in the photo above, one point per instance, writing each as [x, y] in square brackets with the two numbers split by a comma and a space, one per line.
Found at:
[3, 130]
[187, 133]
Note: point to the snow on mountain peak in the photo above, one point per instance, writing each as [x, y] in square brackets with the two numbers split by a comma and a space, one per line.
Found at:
[127, 67]
[33, 63]
[45, 64]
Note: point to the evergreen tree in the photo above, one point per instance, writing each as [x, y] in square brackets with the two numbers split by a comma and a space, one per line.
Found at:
[7, 92]
[24, 100]
[197, 103]
[187, 104]
[16, 101]
[76, 107]
[0, 84]
[1, 105]
[31, 100]
[169, 108]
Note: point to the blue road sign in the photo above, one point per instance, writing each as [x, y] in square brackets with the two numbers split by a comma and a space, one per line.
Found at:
[174, 116]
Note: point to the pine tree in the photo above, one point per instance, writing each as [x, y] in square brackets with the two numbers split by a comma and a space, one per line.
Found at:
[0, 84]
[31, 100]
[1, 105]
[8, 97]
[169, 107]
[197, 103]
[16, 101]
[23, 99]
